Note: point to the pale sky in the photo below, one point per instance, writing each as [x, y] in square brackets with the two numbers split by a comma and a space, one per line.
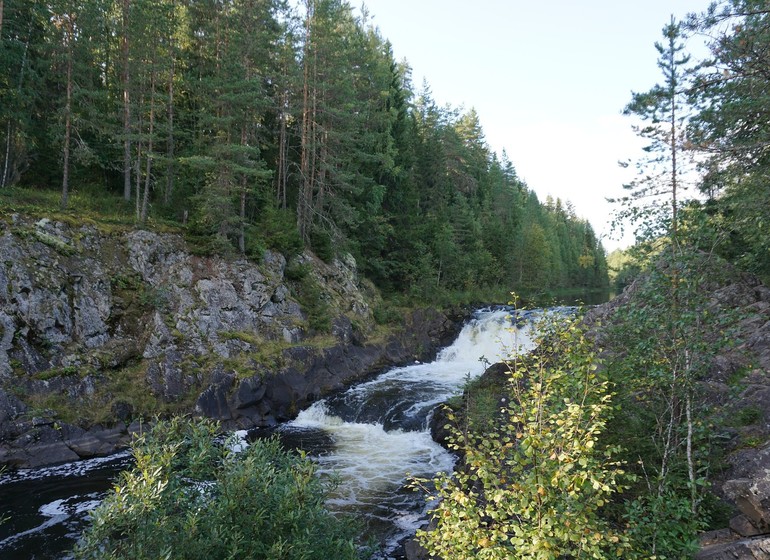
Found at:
[548, 79]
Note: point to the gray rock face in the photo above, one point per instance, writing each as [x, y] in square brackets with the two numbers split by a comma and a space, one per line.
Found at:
[749, 533]
[79, 308]
[10, 408]
[267, 398]
[752, 497]
[747, 549]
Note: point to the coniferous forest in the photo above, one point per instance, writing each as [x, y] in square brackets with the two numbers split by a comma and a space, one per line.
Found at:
[255, 125]
[262, 126]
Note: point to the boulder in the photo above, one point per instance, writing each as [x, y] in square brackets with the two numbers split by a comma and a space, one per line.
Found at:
[213, 402]
[10, 408]
[743, 526]
[747, 549]
[752, 498]
[97, 442]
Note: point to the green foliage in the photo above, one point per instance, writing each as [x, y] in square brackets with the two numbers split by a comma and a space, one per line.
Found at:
[321, 243]
[278, 230]
[297, 271]
[663, 524]
[623, 269]
[654, 197]
[479, 405]
[155, 298]
[67, 371]
[534, 485]
[748, 416]
[199, 116]
[188, 497]
[385, 314]
[311, 296]
[725, 131]
[661, 347]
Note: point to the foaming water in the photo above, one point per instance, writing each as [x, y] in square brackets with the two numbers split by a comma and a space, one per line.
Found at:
[376, 433]
[371, 438]
[48, 507]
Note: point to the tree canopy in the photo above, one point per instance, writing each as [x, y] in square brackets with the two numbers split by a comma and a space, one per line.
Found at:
[248, 120]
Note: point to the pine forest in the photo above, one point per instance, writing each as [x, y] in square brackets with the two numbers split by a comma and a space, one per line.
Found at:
[258, 125]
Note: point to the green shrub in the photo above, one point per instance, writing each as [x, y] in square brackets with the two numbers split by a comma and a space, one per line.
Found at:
[254, 244]
[321, 243]
[296, 271]
[533, 486]
[279, 230]
[310, 295]
[663, 524]
[190, 498]
[748, 416]
[387, 315]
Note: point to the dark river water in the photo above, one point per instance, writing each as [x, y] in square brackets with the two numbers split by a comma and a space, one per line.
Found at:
[372, 437]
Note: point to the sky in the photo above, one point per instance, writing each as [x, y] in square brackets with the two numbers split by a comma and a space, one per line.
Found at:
[548, 80]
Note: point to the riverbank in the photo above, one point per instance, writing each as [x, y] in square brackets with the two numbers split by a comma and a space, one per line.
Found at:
[105, 329]
[731, 400]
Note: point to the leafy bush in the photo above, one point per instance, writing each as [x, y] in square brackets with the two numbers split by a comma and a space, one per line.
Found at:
[190, 498]
[296, 271]
[279, 230]
[310, 295]
[387, 315]
[748, 416]
[532, 487]
[661, 345]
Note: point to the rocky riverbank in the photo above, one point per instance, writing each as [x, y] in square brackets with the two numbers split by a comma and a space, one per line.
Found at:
[101, 330]
[736, 389]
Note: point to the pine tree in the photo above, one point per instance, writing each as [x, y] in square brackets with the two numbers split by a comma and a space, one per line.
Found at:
[664, 112]
[22, 39]
[733, 92]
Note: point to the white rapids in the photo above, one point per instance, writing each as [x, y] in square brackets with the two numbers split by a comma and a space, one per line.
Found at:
[377, 432]
[370, 438]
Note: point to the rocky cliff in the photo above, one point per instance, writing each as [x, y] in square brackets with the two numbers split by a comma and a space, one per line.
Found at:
[100, 331]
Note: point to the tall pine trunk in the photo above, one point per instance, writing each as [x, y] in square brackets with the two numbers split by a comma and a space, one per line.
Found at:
[126, 79]
[307, 171]
[242, 212]
[137, 164]
[69, 38]
[282, 160]
[170, 141]
[9, 128]
[148, 170]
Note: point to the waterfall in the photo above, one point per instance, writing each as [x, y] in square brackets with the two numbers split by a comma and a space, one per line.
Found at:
[371, 438]
[375, 435]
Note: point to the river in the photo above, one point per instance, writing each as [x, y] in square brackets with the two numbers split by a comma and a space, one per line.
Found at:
[372, 437]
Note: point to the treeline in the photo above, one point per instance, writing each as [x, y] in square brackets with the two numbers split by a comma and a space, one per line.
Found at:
[728, 100]
[704, 179]
[260, 125]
